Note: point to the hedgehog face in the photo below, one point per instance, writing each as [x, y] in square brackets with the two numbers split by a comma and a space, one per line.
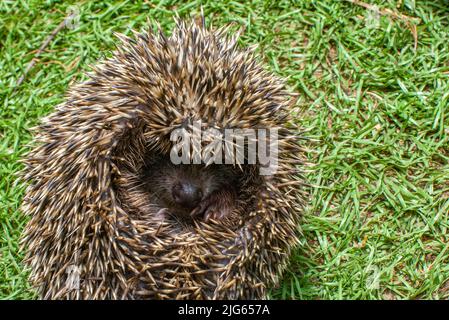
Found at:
[191, 191]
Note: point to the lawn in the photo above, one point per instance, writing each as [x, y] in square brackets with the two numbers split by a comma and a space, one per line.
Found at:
[373, 80]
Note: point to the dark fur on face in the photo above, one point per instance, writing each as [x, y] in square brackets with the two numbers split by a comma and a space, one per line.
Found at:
[191, 190]
[185, 192]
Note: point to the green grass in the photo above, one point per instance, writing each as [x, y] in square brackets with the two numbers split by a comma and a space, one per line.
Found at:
[376, 226]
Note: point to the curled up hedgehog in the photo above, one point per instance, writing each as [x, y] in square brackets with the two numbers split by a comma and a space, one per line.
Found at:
[113, 216]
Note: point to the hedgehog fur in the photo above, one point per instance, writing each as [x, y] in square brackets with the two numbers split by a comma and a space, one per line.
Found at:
[80, 199]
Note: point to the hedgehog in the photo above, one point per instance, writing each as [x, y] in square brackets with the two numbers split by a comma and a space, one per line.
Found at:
[111, 215]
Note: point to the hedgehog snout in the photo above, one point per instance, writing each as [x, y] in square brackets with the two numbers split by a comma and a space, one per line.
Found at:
[187, 194]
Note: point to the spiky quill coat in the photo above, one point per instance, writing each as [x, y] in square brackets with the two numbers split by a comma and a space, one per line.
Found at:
[81, 210]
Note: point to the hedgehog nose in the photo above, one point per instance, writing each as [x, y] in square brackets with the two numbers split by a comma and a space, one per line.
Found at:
[187, 194]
